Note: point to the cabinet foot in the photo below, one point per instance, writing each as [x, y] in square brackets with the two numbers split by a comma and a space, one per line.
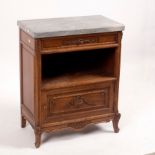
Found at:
[37, 139]
[23, 122]
[115, 122]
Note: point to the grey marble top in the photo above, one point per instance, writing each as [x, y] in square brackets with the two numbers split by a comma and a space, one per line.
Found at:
[52, 27]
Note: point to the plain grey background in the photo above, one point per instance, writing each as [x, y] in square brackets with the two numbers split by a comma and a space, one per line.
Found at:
[137, 82]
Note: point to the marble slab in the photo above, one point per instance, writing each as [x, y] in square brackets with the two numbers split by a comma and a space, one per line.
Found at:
[52, 27]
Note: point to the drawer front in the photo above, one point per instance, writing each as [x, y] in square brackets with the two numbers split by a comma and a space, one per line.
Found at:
[79, 41]
[77, 103]
[27, 40]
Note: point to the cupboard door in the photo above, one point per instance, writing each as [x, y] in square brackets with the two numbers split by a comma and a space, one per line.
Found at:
[77, 102]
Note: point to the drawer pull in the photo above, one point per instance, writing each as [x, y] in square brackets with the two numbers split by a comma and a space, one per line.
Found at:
[80, 41]
[29, 41]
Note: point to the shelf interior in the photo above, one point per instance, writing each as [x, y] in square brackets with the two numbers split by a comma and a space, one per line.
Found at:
[77, 68]
[74, 80]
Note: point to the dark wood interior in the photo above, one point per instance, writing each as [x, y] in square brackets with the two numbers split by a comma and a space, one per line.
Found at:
[78, 66]
[95, 61]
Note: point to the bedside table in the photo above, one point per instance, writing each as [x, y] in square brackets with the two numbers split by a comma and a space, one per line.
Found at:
[69, 71]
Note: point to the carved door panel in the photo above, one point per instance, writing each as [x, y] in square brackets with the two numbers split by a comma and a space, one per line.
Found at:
[77, 103]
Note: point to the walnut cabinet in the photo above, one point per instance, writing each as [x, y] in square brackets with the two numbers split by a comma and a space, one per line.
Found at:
[69, 81]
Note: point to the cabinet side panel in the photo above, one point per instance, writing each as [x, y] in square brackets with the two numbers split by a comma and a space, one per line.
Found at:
[117, 71]
[28, 79]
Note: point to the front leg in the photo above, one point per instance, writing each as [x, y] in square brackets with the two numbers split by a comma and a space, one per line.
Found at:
[37, 138]
[115, 122]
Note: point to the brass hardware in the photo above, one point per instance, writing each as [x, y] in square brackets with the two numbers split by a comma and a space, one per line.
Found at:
[29, 41]
[80, 41]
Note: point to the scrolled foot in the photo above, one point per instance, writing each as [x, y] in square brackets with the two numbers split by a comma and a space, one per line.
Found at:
[115, 122]
[23, 122]
[37, 144]
[37, 139]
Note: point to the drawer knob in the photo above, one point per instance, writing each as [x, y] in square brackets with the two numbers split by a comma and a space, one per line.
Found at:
[29, 41]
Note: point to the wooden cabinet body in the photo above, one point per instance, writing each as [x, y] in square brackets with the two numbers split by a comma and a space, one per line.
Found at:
[69, 81]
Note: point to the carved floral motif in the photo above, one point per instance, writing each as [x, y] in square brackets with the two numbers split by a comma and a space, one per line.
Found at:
[78, 102]
[79, 125]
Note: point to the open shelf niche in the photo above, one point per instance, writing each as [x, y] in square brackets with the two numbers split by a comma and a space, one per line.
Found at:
[76, 68]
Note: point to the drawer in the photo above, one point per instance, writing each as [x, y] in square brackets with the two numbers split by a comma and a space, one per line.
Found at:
[78, 42]
[77, 102]
[27, 40]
